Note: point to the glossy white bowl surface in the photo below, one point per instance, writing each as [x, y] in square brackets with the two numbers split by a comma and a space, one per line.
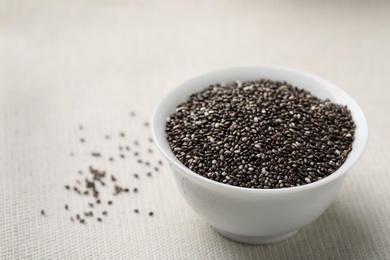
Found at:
[257, 215]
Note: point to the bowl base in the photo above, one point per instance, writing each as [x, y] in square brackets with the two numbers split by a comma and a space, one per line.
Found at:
[254, 240]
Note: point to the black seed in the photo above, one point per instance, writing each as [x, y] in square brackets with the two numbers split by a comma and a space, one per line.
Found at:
[136, 211]
[109, 202]
[67, 187]
[117, 190]
[82, 140]
[66, 207]
[97, 201]
[43, 212]
[90, 204]
[99, 219]
[94, 154]
[149, 174]
[111, 159]
[122, 156]
[135, 190]
[136, 176]
[122, 134]
[160, 162]
[151, 213]
[127, 148]
[126, 190]
[104, 213]
[72, 219]
[146, 124]
[260, 134]
[156, 169]
[88, 214]
[113, 178]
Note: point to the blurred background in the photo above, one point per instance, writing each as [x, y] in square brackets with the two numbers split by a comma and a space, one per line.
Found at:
[66, 63]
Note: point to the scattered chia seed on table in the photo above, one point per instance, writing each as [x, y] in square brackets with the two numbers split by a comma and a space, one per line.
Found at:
[260, 134]
[97, 183]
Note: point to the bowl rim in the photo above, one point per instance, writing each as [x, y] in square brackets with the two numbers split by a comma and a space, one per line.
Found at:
[341, 171]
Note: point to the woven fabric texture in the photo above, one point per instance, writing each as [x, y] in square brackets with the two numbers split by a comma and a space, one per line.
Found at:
[66, 64]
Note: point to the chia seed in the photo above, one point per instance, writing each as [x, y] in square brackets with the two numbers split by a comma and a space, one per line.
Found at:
[94, 154]
[97, 183]
[260, 134]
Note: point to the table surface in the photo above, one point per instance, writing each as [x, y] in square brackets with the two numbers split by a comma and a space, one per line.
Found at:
[73, 70]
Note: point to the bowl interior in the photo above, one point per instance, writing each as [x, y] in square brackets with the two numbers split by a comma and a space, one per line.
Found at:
[317, 86]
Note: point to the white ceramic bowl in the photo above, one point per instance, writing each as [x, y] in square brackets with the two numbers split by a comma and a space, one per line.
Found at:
[257, 216]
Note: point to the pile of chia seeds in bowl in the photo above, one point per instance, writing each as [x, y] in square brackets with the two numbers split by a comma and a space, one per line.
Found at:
[260, 134]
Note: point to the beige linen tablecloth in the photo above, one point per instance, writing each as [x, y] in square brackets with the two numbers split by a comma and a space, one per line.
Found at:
[92, 63]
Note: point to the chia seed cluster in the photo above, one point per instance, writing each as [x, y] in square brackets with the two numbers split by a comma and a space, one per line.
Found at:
[260, 134]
